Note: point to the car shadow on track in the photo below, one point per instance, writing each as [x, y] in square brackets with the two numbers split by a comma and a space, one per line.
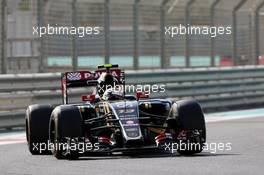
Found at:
[151, 155]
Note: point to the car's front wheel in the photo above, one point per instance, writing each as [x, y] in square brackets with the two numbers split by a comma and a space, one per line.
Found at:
[37, 128]
[65, 129]
[189, 126]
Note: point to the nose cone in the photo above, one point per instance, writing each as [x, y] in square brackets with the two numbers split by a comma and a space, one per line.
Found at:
[127, 113]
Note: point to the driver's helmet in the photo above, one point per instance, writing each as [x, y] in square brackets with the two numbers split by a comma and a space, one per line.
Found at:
[105, 81]
[113, 94]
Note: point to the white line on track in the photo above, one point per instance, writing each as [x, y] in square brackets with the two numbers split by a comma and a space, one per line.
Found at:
[12, 138]
[233, 115]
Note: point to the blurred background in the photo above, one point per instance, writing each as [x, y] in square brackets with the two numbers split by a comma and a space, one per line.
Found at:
[132, 34]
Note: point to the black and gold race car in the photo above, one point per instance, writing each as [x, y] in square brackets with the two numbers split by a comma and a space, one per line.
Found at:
[111, 120]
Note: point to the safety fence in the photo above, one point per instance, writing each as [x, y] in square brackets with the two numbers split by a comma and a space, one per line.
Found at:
[133, 34]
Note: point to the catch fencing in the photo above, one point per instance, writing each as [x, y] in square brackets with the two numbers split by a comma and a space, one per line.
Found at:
[132, 34]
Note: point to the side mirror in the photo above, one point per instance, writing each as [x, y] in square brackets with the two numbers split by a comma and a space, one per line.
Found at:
[142, 95]
[90, 98]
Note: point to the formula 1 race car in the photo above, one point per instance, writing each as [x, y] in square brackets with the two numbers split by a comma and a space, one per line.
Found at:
[109, 120]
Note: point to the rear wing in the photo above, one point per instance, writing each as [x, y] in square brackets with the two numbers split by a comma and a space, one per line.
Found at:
[85, 79]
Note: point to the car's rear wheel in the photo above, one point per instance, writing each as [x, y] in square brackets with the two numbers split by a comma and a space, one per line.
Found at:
[37, 128]
[66, 128]
[190, 127]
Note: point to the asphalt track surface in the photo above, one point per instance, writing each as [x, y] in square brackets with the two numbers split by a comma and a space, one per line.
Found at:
[246, 156]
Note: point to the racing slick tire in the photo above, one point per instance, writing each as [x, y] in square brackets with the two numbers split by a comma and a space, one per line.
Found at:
[37, 128]
[66, 123]
[191, 127]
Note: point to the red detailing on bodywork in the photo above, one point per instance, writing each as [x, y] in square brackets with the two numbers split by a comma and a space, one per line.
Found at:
[182, 135]
[163, 136]
[142, 95]
[115, 72]
[90, 98]
[104, 140]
